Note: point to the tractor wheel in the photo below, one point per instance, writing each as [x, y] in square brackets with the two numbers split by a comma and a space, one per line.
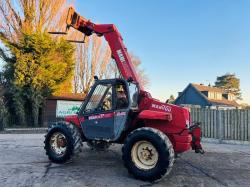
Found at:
[148, 154]
[62, 142]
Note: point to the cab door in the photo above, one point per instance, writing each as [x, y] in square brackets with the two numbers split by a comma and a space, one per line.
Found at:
[98, 113]
[122, 106]
[103, 118]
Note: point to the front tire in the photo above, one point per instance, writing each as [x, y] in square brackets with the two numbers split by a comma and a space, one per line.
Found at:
[148, 154]
[62, 142]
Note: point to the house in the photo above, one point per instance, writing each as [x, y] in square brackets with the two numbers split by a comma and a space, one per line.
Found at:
[206, 96]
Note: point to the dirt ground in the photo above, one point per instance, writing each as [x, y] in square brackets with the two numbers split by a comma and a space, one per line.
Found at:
[23, 163]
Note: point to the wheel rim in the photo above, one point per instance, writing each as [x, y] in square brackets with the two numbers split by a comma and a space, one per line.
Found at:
[58, 143]
[144, 155]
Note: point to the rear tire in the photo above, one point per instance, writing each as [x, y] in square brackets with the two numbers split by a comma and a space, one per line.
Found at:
[62, 142]
[148, 154]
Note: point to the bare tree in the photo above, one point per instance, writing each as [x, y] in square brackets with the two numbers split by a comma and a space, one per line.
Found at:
[25, 16]
[94, 58]
[141, 72]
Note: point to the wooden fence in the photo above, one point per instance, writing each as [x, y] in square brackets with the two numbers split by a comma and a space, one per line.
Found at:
[223, 124]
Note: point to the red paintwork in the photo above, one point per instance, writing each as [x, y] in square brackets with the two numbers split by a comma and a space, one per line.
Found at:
[73, 119]
[170, 119]
[101, 116]
[180, 118]
[156, 115]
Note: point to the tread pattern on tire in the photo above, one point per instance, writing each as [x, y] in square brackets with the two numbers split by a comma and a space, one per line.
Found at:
[165, 143]
[75, 137]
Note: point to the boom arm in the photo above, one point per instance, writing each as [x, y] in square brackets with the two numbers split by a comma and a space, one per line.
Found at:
[114, 39]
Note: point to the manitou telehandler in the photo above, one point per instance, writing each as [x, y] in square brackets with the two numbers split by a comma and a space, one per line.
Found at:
[120, 111]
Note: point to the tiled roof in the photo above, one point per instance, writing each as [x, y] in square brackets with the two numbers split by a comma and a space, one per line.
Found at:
[224, 102]
[202, 88]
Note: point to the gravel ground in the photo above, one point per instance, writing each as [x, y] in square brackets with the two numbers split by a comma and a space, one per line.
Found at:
[23, 163]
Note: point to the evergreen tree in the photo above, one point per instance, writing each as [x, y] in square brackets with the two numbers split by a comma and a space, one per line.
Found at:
[38, 66]
[171, 100]
[230, 83]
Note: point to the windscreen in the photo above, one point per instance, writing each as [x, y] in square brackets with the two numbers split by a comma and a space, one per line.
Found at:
[97, 97]
[133, 90]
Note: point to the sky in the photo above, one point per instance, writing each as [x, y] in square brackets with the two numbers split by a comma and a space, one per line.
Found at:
[182, 41]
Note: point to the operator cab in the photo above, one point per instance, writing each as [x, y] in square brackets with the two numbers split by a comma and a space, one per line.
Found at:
[106, 108]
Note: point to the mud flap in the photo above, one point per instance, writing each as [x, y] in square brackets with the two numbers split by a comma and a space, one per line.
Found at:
[195, 131]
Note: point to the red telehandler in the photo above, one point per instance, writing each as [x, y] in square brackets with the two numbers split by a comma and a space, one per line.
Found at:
[120, 111]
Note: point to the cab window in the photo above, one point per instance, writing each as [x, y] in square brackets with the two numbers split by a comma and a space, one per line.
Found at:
[134, 93]
[101, 99]
[121, 97]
